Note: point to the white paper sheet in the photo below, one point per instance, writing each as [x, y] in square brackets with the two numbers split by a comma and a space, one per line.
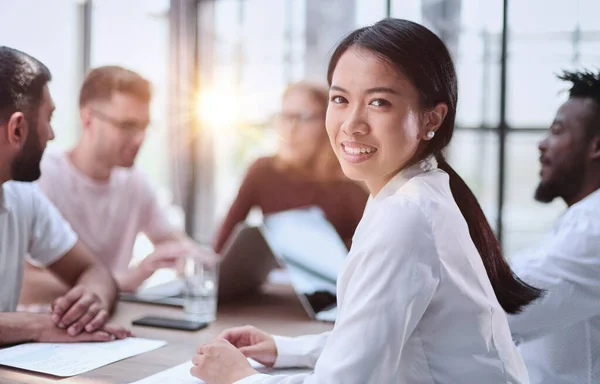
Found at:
[180, 374]
[70, 359]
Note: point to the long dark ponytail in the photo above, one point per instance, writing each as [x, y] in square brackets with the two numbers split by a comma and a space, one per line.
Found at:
[424, 59]
[512, 293]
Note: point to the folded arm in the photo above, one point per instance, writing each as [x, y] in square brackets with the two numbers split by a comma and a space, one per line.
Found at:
[94, 292]
[20, 327]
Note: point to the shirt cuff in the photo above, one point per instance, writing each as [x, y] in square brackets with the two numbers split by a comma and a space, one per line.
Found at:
[287, 353]
[252, 379]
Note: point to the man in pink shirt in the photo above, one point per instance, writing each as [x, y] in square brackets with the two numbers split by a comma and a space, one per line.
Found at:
[96, 187]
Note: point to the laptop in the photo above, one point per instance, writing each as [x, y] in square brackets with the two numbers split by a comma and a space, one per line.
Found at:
[246, 262]
[301, 241]
[309, 248]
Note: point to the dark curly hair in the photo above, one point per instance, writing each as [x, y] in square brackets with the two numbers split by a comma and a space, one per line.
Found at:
[586, 85]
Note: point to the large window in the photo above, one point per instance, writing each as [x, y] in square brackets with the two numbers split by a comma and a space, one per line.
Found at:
[538, 48]
[132, 33]
[48, 30]
[135, 34]
[257, 53]
[260, 46]
[526, 220]
[257, 62]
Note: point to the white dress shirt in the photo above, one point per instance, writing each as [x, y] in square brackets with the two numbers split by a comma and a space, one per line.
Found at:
[415, 303]
[559, 334]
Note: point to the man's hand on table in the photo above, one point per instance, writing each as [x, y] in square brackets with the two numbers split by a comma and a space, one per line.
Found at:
[45, 330]
[79, 310]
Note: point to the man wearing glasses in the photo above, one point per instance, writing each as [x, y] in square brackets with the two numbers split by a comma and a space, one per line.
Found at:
[96, 187]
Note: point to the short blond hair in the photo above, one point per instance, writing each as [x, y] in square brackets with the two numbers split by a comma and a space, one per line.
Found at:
[318, 91]
[102, 82]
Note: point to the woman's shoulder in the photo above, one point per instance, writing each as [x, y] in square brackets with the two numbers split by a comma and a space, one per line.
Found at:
[261, 167]
[264, 162]
[399, 213]
[429, 191]
[413, 207]
[396, 231]
[420, 207]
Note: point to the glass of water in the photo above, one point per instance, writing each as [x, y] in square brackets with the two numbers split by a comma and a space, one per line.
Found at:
[200, 290]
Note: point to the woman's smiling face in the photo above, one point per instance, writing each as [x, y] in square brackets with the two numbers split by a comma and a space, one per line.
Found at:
[374, 119]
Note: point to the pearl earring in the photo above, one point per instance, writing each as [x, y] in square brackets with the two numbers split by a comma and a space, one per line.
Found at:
[430, 134]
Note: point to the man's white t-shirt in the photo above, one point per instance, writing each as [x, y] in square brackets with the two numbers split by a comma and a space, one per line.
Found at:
[30, 226]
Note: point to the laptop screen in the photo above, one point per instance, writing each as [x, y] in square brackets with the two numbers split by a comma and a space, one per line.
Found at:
[312, 251]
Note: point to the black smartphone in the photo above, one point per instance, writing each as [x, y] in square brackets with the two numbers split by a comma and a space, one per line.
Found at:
[170, 323]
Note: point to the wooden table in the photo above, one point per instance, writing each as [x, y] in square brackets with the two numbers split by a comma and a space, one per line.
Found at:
[277, 310]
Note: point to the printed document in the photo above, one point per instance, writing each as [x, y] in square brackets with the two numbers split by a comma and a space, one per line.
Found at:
[70, 359]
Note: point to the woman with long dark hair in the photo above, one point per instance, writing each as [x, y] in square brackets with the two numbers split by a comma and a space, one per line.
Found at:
[423, 295]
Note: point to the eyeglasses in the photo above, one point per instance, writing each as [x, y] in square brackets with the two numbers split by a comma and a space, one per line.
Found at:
[300, 118]
[128, 127]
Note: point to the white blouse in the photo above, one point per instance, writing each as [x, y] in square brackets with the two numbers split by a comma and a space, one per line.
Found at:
[415, 305]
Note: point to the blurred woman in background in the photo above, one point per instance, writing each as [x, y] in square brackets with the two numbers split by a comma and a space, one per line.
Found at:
[304, 172]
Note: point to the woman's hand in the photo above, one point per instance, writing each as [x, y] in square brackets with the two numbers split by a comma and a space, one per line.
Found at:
[220, 363]
[253, 343]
